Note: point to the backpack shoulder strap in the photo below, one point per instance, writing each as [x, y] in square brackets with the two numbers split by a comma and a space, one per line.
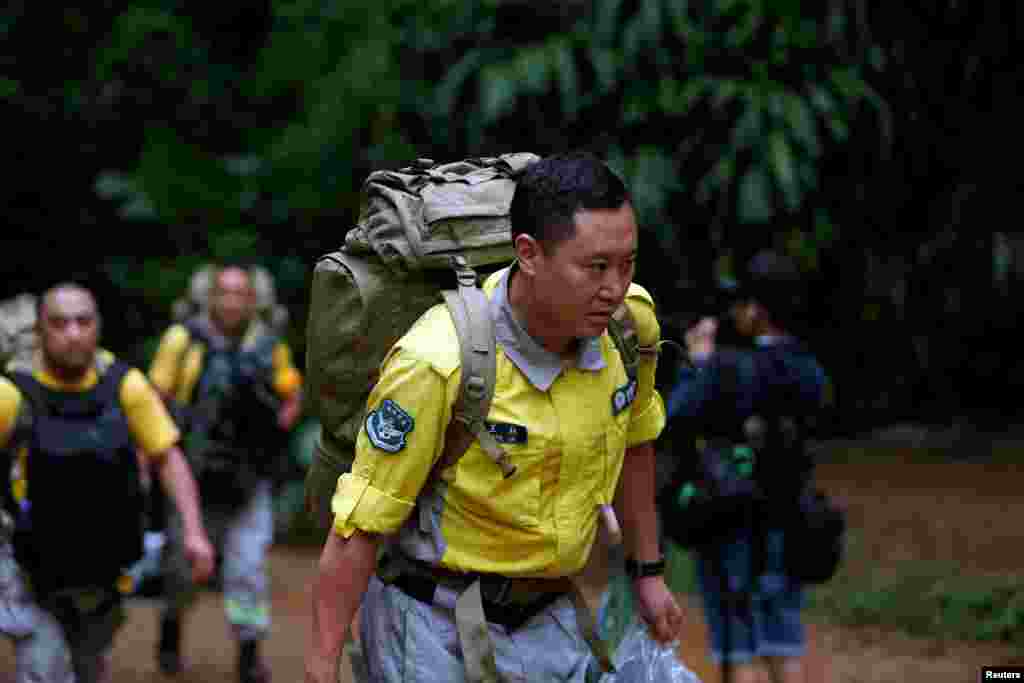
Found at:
[622, 330]
[111, 375]
[475, 329]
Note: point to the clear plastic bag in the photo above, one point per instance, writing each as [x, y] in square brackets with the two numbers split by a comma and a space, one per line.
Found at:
[641, 659]
[637, 657]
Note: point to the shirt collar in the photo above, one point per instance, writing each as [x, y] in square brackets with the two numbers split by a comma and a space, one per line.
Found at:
[540, 366]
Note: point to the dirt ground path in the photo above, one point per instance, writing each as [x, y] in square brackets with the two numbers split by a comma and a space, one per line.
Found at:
[837, 655]
[968, 513]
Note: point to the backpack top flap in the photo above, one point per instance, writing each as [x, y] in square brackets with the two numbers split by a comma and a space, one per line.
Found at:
[417, 217]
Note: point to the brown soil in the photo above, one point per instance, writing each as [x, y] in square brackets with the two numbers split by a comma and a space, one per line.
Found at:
[966, 513]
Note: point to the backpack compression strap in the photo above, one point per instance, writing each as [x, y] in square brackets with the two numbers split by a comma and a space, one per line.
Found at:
[475, 330]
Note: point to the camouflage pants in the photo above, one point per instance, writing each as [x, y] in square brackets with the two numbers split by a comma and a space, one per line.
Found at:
[41, 651]
[241, 537]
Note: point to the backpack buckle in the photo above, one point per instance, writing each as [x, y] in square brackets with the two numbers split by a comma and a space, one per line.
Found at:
[465, 275]
[475, 387]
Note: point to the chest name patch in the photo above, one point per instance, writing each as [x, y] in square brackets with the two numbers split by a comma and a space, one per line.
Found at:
[623, 397]
[388, 426]
[506, 432]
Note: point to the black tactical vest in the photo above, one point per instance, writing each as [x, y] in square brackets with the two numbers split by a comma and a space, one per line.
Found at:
[233, 412]
[82, 525]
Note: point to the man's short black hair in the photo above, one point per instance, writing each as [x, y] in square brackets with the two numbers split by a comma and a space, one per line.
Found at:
[549, 192]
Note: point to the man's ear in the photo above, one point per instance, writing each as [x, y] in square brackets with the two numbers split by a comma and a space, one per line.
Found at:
[528, 253]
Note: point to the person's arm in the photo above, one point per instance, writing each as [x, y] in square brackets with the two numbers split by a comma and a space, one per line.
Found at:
[695, 386]
[180, 486]
[156, 437]
[342, 577]
[636, 494]
[397, 446]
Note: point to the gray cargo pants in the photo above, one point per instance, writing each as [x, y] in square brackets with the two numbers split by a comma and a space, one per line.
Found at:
[403, 639]
[41, 651]
[242, 538]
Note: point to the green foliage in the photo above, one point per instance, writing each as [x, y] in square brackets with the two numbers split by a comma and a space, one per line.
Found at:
[740, 124]
[722, 109]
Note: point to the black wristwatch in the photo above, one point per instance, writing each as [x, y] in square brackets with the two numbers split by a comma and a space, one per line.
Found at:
[639, 570]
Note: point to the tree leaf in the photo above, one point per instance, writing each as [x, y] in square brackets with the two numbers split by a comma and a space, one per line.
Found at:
[447, 91]
[755, 199]
[748, 129]
[497, 93]
[606, 19]
[801, 122]
[781, 156]
[567, 79]
[533, 68]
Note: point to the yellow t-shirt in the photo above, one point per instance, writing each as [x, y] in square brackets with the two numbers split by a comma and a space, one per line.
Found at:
[566, 430]
[178, 362]
[151, 426]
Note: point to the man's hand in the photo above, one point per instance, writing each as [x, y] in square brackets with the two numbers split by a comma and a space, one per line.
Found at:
[658, 608]
[322, 669]
[199, 553]
[700, 339]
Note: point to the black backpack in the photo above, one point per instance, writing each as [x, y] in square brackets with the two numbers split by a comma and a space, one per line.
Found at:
[713, 493]
[759, 473]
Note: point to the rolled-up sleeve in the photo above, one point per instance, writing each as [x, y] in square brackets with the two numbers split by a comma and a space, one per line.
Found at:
[401, 438]
[166, 365]
[647, 419]
[151, 425]
[10, 403]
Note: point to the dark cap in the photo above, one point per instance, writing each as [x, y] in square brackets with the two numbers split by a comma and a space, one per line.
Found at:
[773, 279]
[769, 265]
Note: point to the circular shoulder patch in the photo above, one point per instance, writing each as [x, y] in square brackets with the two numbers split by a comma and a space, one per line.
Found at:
[388, 426]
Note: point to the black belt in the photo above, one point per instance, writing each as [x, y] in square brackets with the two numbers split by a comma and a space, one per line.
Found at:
[509, 615]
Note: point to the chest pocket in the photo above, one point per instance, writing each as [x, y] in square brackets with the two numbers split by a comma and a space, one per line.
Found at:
[483, 492]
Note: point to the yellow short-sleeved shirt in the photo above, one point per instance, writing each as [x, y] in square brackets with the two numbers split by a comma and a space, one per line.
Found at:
[565, 428]
[178, 362]
[151, 426]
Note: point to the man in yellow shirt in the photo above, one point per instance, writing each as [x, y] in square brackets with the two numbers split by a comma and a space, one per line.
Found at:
[74, 418]
[240, 393]
[577, 429]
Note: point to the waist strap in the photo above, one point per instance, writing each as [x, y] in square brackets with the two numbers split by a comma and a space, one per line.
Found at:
[476, 598]
[495, 589]
[510, 614]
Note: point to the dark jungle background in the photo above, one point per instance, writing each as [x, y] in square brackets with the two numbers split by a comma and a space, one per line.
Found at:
[875, 141]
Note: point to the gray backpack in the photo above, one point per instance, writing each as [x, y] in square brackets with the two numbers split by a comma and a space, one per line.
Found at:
[417, 223]
[18, 338]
